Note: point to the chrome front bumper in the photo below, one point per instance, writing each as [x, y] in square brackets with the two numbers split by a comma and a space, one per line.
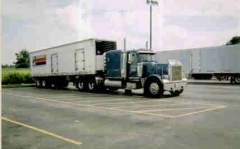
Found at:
[174, 85]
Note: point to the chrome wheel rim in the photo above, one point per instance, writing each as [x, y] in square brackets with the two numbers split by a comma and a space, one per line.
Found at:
[44, 83]
[91, 85]
[80, 85]
[154, 88]
[38, 82]
[237, 79]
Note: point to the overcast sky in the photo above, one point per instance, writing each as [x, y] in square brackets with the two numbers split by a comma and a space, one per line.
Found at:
[177, 24]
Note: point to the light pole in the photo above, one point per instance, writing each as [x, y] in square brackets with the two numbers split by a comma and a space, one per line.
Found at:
[151, 3]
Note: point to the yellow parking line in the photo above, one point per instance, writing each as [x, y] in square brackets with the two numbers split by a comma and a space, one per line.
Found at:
[138, 112]
[192, 113]
[104, 100]
[57, 101]
[174, 109]
[76, 104]
[153, 114]
[116, 109]
[62, 97]
[146, 106]
[116, 103]
[43, 131]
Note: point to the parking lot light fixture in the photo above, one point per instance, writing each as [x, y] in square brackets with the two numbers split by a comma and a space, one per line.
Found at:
[151, 3]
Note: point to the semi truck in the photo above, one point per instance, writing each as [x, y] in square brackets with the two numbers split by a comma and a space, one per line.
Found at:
[97, 65]
[223, 62]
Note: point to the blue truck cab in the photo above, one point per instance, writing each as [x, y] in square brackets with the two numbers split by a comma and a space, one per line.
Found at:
[135, 69]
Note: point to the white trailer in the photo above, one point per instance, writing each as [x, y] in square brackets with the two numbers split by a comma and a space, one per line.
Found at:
[203, 63]
[63, 63]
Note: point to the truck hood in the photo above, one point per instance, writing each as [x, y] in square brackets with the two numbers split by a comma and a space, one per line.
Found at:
[150, 68]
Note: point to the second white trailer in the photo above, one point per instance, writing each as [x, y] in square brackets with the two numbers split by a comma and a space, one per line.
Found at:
[203, 63]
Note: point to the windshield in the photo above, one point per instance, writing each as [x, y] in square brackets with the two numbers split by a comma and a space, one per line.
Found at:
[146, 57]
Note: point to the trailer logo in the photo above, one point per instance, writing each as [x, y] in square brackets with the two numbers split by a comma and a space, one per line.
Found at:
[39, 60]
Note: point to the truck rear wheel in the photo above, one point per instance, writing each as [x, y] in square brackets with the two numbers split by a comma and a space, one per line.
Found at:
[153, 89]
[81, 85]
[91, 86]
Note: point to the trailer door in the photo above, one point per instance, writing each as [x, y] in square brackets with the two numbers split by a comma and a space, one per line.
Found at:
[79, 60]
[54, 63]
[195, 61]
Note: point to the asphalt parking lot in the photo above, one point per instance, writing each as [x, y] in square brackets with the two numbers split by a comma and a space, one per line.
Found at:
[205, 116]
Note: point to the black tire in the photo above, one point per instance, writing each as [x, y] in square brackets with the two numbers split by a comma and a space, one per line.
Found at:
[38, 83]
[56, 85]
[46, 83]
[153, 88]
[237, 80]
[232, 79]
[91, 86]
[81, 85]
[176, 93]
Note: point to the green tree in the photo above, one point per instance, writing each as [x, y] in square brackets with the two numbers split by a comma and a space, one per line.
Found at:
[22, 59]
[234, 40]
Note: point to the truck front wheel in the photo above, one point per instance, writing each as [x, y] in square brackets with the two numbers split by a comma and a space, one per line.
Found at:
[153, 89]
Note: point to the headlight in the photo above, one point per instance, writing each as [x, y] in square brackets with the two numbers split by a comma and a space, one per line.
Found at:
[139, 69]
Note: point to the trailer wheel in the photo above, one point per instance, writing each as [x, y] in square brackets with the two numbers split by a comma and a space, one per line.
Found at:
[46, 84]
[38, 83]
[153, 88]
[81, 85]
[237, 79]
[55, 85]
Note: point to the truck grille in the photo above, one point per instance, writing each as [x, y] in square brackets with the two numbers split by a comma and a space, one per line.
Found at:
[176, 73]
